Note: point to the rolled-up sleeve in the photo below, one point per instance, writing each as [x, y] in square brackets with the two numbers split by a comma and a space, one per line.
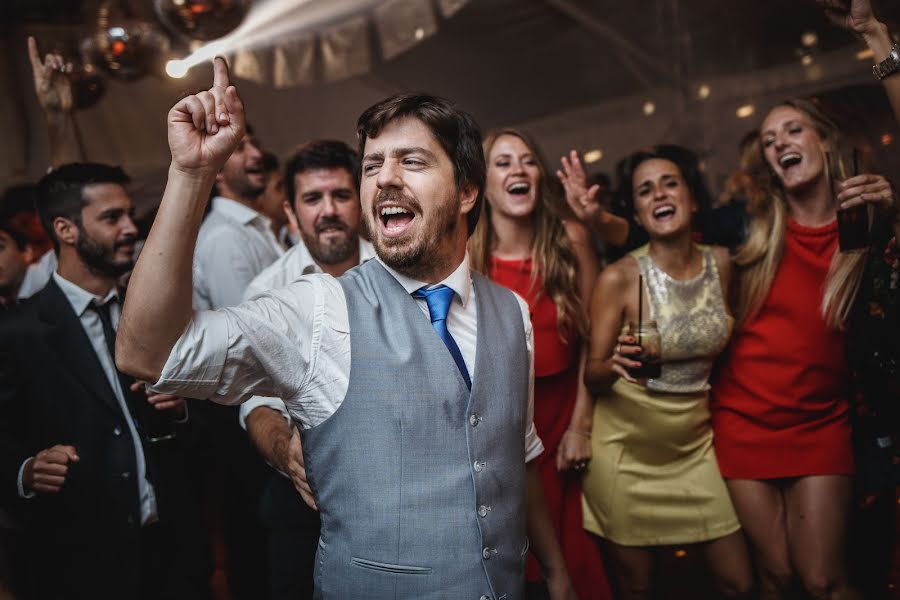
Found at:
[261, 347]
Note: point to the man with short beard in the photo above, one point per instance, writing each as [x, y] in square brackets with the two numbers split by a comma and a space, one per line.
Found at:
[411, 376]
[95, 486]
[322, 179]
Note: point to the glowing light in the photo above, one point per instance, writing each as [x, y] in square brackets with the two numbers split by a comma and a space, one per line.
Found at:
[887, 139]
[703, 92]
[809, 39]
[420, 33]
[116, 32]
[745, 111]
[649, 108]
[592, 156]
[806, 60]
[176, 69]
[865, 54]
[680, 553]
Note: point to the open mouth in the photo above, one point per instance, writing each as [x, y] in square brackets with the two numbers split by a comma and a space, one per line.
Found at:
[664, 212]
[520, 188]
[395, 220]
[789, 159]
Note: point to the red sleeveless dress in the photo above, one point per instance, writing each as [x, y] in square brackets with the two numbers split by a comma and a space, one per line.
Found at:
[555, 387]
[780, 402]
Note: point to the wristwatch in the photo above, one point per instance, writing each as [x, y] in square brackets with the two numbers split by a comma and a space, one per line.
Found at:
[888, 66]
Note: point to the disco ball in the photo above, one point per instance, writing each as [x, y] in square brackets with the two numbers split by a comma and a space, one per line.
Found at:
[127, 50]
[202, 20]
[87, 86]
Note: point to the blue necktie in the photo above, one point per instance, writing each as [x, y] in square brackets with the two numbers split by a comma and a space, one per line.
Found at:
[439, 299]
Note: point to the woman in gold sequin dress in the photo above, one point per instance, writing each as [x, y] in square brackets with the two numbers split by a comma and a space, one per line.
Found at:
[654, 480]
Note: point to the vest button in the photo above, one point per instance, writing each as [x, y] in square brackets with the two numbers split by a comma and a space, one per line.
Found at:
[474, 420]
[485, 597]
[486, 553]
[483, 510]
[478, 466]
[117, 432]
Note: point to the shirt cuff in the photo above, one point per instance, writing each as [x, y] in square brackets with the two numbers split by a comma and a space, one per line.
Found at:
[534, 447]
[255, 402]
[195, 364]
[20, 483]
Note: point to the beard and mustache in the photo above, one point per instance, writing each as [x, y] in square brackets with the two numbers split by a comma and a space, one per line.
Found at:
[333, 251]
[100, 258]
[417, 253]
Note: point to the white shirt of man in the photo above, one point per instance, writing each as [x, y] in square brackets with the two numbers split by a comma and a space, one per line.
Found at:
[295, 263]
[81, 301]
[234, 245]
[293, 343]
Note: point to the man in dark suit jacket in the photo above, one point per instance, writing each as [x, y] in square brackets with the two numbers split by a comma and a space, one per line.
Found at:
[108, 512]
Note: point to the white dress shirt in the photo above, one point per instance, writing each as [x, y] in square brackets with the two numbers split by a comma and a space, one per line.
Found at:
[293, 343]
[294, 264]
[37, 275]
[81, 301]
[234, 245]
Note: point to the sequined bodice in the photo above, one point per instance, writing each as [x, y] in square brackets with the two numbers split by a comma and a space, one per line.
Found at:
[693, 323]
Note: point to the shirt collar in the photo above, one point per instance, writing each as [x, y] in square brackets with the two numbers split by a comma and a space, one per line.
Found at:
[460, 280]
[237, 212]
[80, 298]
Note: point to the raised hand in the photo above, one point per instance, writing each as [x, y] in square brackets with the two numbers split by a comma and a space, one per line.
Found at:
[51, 80]
[204, 129]
[582, 199]
[855, 15]
[867, 189]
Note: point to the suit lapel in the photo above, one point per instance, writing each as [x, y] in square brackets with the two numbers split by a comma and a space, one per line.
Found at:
[76, 353]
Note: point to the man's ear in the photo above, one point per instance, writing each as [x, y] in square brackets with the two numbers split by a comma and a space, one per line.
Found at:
[468, 196]
[28, 253]
[66, 231]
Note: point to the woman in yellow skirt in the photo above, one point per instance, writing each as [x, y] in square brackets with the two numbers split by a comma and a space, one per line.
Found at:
[653, 478]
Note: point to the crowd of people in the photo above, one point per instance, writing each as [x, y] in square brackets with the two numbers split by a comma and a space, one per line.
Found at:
[436, 367]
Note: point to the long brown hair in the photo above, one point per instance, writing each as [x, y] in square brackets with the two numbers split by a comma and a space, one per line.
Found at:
[552, 256]
[759, 258]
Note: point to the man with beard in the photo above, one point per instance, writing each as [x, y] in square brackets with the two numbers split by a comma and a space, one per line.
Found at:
[322, 178]
[415, 443]
[101, 499]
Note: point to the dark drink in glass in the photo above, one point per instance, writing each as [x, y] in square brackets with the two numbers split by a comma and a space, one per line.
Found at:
[853, 228]
[648, 338]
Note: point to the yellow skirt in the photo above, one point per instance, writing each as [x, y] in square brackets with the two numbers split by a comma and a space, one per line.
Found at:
[653, 478]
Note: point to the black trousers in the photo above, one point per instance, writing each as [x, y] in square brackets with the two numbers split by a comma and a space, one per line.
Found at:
[292, 532]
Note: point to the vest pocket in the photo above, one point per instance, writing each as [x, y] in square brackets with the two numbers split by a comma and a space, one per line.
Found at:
[381, 567]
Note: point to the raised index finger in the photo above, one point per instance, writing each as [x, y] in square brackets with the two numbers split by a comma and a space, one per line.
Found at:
[33, 53]
[220, 73]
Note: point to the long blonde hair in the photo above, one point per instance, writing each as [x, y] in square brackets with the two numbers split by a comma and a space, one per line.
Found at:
[759, 258]
[552, 256]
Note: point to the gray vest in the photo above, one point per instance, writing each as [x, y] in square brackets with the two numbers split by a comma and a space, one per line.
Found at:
[421, 484]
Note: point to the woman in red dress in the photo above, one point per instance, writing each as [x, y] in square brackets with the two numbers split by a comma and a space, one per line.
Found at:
[780, 410]
[523, 243]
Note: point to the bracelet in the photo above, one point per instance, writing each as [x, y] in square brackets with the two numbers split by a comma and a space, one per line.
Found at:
[580, 432]
[889, 65]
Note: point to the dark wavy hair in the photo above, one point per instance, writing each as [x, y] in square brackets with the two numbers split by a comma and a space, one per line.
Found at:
[454, 129]
[320, 154]
[686, 161]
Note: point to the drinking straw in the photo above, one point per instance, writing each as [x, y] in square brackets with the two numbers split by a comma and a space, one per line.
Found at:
[640, 306]
[855, 162]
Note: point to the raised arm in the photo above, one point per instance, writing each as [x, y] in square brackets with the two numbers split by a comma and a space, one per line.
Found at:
[585, 205]
[54, 93]
[203, 131]
[857, 16]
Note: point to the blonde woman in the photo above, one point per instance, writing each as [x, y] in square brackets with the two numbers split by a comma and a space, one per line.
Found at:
[781, 403]
[523, 243]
